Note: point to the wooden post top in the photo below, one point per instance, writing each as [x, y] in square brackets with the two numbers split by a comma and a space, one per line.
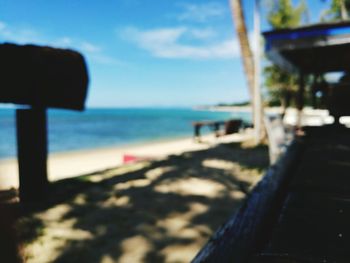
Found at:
[42, 76]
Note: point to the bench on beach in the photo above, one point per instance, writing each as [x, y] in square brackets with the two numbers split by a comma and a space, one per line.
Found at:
[229, 127]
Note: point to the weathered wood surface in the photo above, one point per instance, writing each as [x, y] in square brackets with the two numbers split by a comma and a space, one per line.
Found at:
[42, 76]
[313, 225]
[300, 212]
[32, 154]
[246, 231]
[9, 248]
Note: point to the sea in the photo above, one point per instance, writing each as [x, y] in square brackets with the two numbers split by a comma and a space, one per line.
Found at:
[97, 128]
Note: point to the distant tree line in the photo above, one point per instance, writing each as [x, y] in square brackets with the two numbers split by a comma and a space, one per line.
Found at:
[234, 104]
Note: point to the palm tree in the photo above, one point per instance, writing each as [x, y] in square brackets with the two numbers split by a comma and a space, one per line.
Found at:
[248, 64]
[246, 51]
[343, 10]
[338, 10]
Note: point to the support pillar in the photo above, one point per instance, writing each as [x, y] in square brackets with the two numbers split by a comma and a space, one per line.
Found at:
[301, 99]
[257, 105]
[32, 154]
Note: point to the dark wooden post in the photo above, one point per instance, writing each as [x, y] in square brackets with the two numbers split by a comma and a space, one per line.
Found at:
[40, 77]
[301, 91]
[300, 98]
[32, 153]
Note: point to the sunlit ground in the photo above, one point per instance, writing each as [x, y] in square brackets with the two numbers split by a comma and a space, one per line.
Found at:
[161, 211]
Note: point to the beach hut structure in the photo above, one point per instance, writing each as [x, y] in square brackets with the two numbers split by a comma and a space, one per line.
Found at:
[300, 211]
[39, 78]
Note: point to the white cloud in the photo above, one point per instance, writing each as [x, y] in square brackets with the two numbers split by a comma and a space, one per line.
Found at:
[201, 12]
[157, 37]
[89, 47]
[18, 35]
[2, 26]
[177, 42]
[203, 33]
[31, 36]
[64, 41]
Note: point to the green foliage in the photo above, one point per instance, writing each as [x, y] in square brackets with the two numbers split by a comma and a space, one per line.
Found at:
[334, 12]
[284, 15]
[279, 83]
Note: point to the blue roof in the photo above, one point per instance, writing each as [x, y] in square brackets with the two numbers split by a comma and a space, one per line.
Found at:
[315, 48]
[307, 32]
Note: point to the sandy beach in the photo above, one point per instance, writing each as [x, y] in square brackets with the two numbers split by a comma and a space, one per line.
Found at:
[70, 164]
[75, 163]
[160, 210]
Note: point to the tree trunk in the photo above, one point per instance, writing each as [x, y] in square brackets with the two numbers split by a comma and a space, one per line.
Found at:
[343, 11]
[247, 56]
[246, 52]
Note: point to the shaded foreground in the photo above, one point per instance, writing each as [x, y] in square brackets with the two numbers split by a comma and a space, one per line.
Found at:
[161, 211]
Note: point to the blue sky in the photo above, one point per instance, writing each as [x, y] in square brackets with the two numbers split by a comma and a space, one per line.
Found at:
[142, 52]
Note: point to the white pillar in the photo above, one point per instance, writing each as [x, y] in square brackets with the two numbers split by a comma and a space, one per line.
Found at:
[257, 93]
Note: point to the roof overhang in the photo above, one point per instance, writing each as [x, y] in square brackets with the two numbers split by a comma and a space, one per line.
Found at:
[317, 48]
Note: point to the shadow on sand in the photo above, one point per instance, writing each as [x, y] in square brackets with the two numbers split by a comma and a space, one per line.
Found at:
[161, 211]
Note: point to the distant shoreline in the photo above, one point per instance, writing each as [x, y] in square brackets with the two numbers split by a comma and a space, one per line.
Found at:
[246, 109]
[94, 128]
[225, 108]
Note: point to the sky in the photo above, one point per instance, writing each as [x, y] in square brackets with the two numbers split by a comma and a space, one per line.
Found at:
[143, 53]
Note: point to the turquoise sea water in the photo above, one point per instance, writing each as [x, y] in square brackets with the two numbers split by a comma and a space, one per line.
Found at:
[95, 128]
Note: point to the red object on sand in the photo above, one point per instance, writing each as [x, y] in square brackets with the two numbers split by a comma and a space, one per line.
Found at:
[129, 158]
